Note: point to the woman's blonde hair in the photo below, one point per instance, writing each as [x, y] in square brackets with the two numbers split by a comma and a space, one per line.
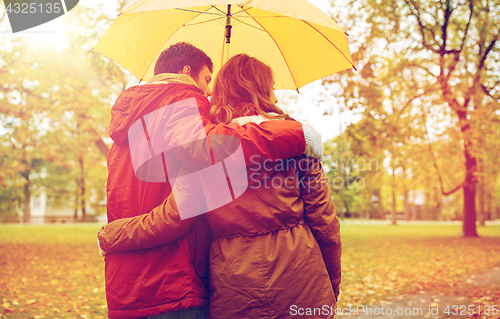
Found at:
[241, 88]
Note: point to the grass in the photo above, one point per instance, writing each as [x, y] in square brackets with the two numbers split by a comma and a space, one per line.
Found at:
[51, 272]
[384, 261]
[54, 271]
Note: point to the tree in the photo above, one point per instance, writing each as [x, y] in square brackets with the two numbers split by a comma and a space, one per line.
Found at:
[348, 165]
[450, 48]
[55, 106]
[24, 103]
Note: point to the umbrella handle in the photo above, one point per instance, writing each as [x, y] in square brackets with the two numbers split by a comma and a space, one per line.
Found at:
[228, 33]
[228, 24]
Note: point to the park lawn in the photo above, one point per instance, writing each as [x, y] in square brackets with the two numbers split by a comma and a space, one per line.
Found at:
[54, 271]
[380, 262]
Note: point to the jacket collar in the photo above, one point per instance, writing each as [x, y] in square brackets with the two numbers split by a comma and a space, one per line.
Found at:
[172, 78]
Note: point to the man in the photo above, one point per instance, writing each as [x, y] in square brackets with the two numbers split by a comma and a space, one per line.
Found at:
[170, 279]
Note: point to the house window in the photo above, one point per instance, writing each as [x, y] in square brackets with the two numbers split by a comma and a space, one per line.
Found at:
[48, 205]
[58, 203]
[37, 203]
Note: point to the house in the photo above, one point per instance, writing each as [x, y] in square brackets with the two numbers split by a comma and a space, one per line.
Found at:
[50, 208]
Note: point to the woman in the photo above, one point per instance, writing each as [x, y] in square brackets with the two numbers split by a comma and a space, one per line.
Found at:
[276, 249]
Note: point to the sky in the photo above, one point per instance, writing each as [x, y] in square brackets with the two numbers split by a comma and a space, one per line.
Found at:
[306, 105]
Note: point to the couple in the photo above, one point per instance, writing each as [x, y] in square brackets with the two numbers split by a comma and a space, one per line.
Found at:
[267, 254]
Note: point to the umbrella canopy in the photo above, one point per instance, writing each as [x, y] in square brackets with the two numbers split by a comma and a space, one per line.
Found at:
[296, 39]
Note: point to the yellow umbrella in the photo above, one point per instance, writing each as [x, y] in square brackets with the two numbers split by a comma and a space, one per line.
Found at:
[298, 40]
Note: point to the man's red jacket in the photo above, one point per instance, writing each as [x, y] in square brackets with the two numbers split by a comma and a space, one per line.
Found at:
[173, 276]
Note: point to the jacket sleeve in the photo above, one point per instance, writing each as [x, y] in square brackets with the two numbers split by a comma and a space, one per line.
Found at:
[321, 216]
[270, 140]
[160, 226]
[274, 140]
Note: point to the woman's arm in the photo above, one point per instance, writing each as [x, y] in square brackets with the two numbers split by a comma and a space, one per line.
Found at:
[321, 216]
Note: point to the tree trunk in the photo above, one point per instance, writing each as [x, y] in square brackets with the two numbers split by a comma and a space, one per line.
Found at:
[75, 216]
[341, 201]
[489, 204]
[469, 225]
[427, 203]
[481, 202]
[27, 197]
[437, 198]
[103, 148]
[378, 212]
[82, 188]
[405, 193]
[394, 215]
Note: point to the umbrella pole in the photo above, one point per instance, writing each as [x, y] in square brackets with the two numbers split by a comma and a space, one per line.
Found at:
[227, 34]
[226, 53]
[228, 24]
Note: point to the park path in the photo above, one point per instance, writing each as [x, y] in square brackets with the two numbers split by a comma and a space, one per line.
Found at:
[430, 304]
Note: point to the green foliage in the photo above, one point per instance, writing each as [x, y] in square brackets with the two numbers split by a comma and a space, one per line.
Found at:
[351, 176]
[428, 93]
[10, 201]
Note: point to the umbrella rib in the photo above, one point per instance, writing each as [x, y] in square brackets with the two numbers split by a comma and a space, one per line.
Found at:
[284, 59]
[240, 13]
[188, 25]
[271, 16]
[330, 43]
[196, 11]
[221, 12]
[237, 15]
[237, 12]
[248, 24]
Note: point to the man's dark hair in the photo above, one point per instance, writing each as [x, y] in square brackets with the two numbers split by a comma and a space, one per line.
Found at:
[173, 59]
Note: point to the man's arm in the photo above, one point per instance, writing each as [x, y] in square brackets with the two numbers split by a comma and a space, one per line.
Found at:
[160, 226]
[274, 140]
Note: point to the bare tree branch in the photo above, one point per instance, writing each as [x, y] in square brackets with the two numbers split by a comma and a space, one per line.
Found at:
[466, 32]
[488, 50]
[456, 53]
[416, 13]
[420, 66]
[441, 184]
[103, 147]
[476, 84]
[488, 91]
[444, 28]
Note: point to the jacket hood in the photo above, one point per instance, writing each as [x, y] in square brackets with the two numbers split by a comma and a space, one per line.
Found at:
[139, 100]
